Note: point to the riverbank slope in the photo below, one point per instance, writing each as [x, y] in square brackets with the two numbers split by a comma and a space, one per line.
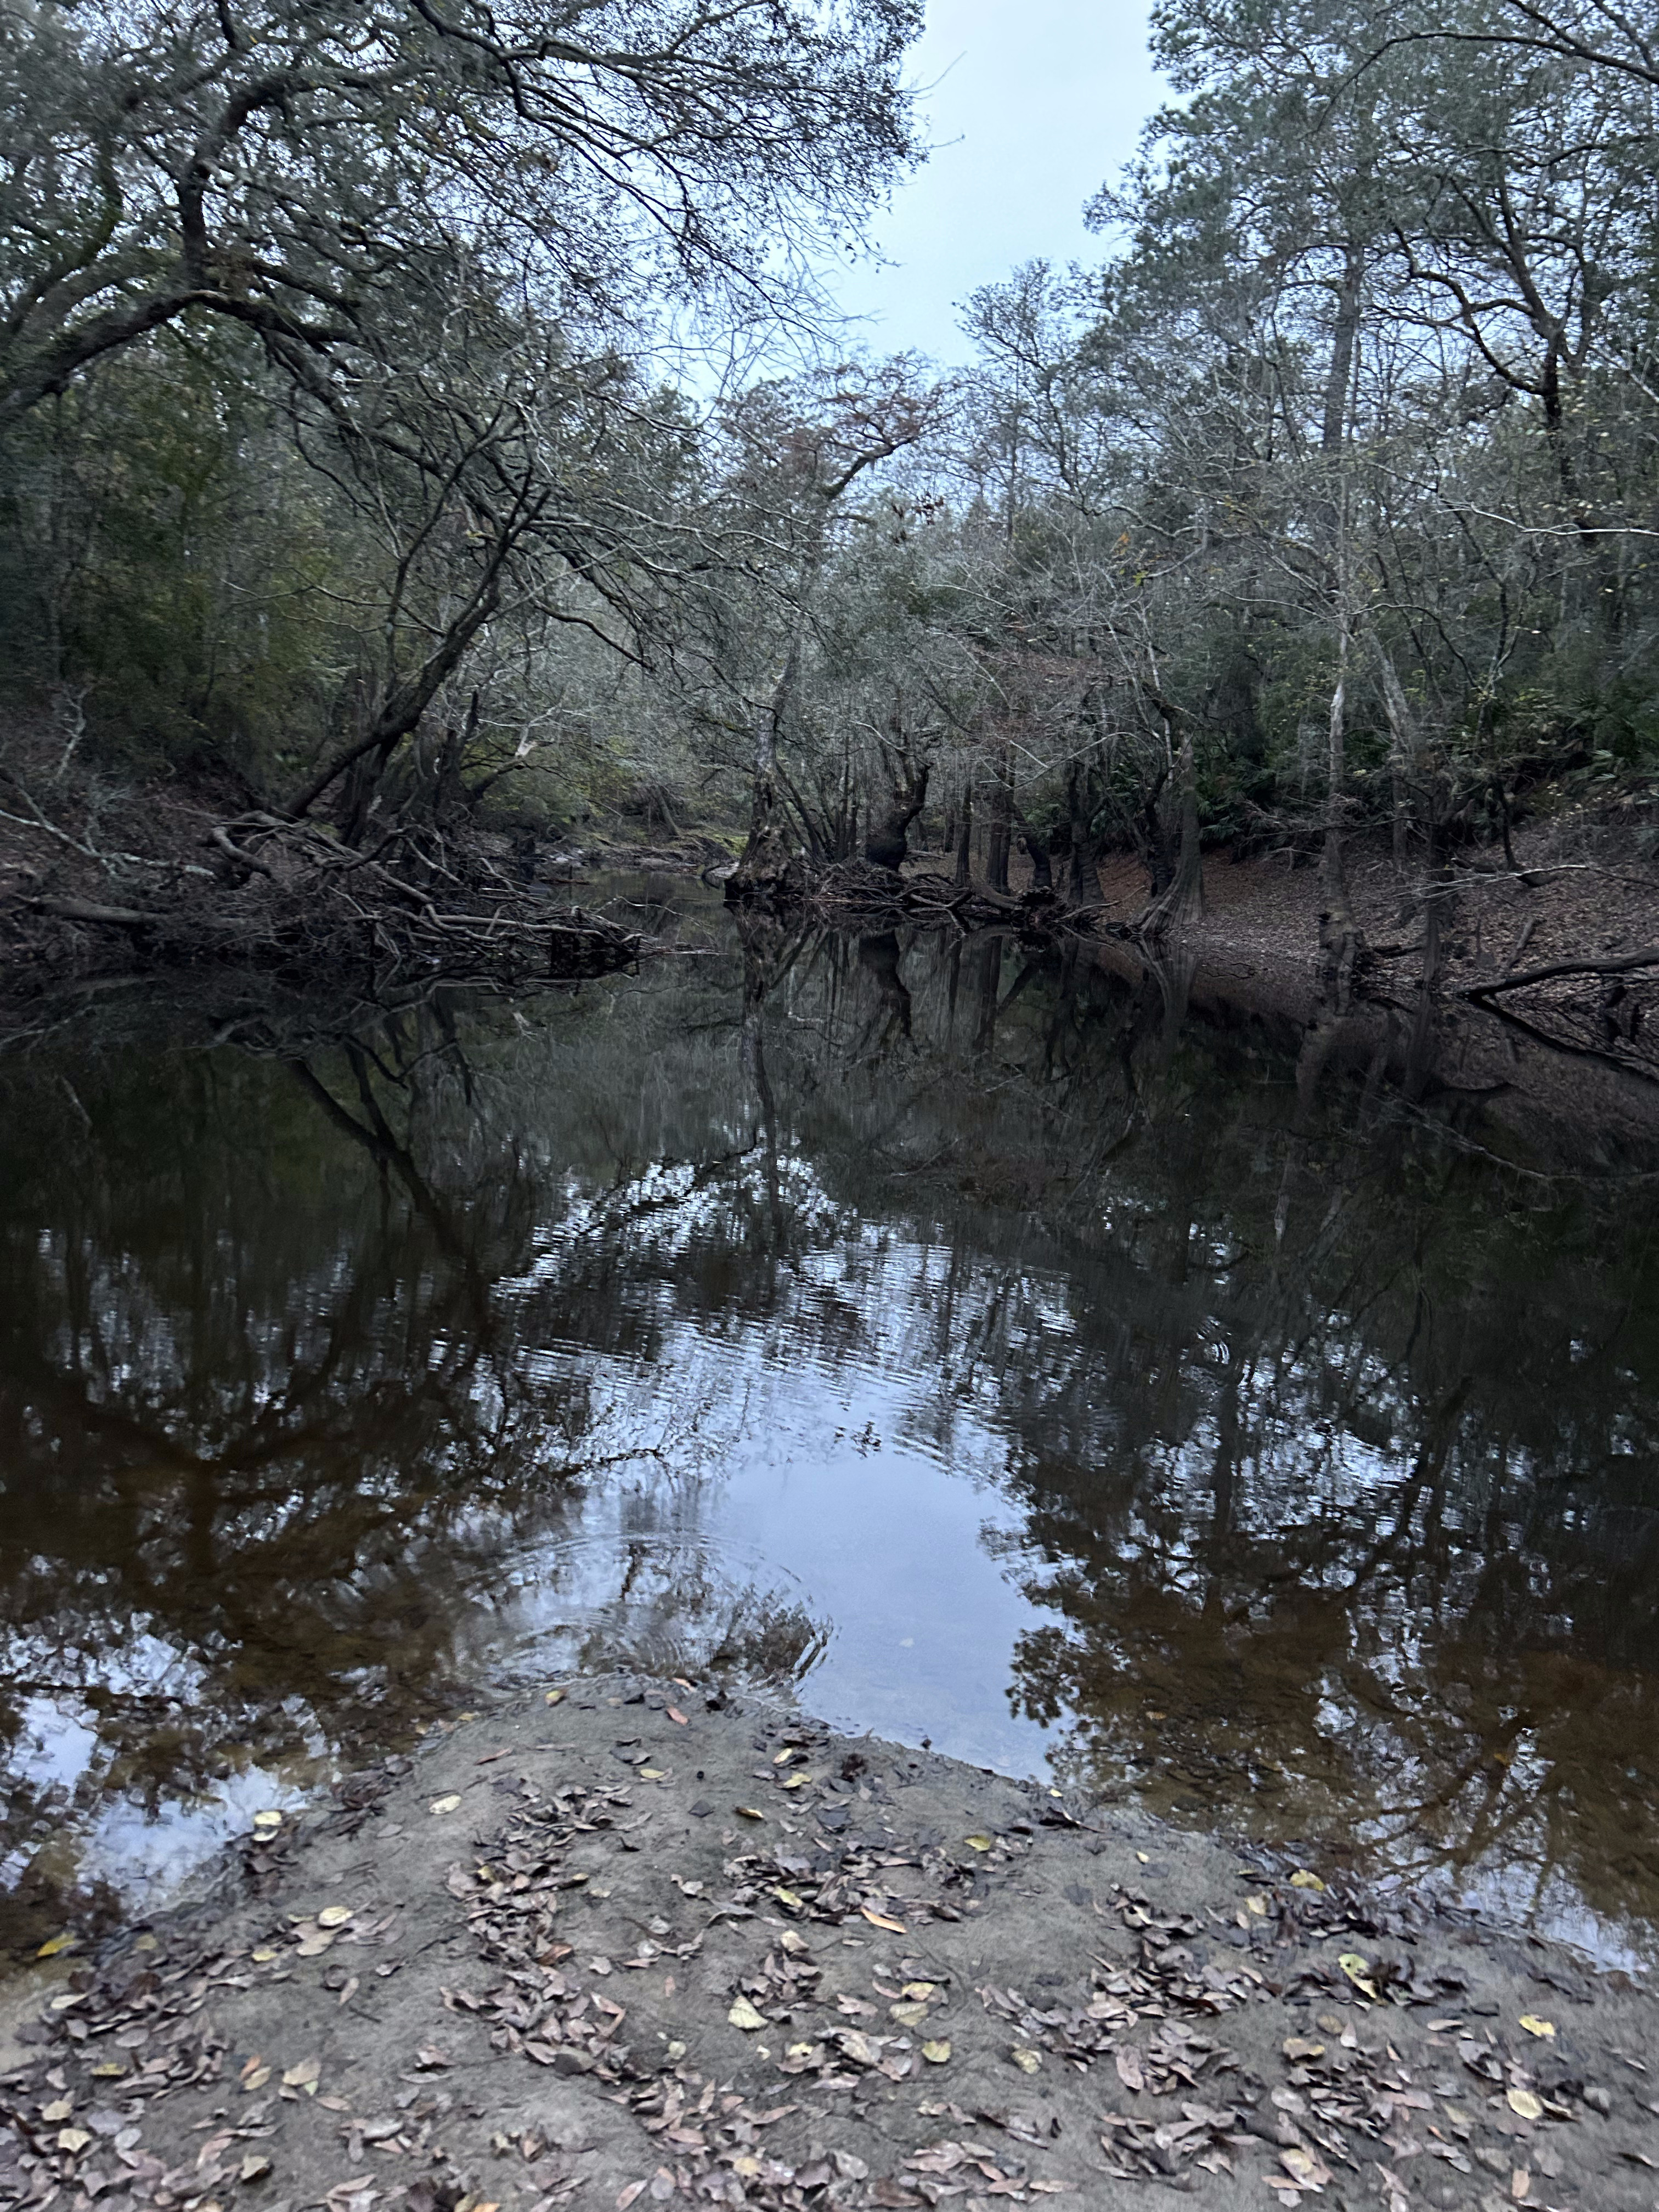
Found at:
[627, 1944]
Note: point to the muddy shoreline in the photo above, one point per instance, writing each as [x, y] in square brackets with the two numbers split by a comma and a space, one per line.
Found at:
[633, 1943]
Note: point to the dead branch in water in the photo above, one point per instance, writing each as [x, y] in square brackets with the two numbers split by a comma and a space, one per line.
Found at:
[418, 906]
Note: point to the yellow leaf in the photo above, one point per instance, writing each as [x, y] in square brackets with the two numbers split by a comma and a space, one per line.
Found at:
[305, 2075]
[54, 1944]
[936, 2054]
[883, 1920]
[1359, 1974]
[787, 1897]
[256, 2080]
[1525, 2104]
[1297, 2048]
[268, 1821]
[781, 1758]
[796, 1781]
[334, 1916]
[555, 1697]
[907, 2015]
[111, 2071]
[1145, 1857]
[1258, 1906]
[1303, 1880]
[919, 1992]
[263, 1956]
[59, 2108]
[73, 2139]
[650, 1774]
[1025, 2058]
[750, 1811]
[1533, 2026]
[742, 2014]
[980, 1843]
[450, 1804]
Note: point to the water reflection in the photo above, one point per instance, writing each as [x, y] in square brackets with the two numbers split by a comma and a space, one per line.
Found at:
[945, 1316]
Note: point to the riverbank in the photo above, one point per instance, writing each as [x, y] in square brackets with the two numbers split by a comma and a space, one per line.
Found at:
[626, 1943]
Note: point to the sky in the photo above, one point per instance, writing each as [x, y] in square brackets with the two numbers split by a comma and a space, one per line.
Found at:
[1033, 104]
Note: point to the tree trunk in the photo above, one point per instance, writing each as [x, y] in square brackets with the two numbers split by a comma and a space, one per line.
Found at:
[1402, 752]
[766, 857]
[964, 867]
[1082, 880]
[887, 839]
[996, 856]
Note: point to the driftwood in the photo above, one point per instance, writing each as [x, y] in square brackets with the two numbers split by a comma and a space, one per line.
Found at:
[858, 893]
[416, 908]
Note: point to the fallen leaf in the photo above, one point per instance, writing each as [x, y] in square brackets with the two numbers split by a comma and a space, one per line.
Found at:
[979, 1843]
[255, 2165]
[268, 1818]
[61, 2108]
[430, 2058]
[54, 1944]
[450, 1804]
[334, 1916]
[634, 2189]
[73, 2139]
[936, 2054]
[1525, 2104]
[557, 1698]
[742, 2014]
[256, 2080]
[305, 2076]
[1359, 1974]
[1129, 2068]
[750, 1811]
[884, 1920]
[787, 1897]
[796, 1781]
[314, 1942]
[1533, 2026]
[919, 1992]
[1309, 2171]
[1303, 1880]
[650, 1774]
[907, 2015]
[1258, 1906]
[1025, 2058]
[1298, 2047]
[263, 1956]
[678, 1716]
[1145, 1857]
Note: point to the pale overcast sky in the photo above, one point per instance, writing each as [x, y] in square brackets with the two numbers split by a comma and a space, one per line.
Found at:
[1036, 103]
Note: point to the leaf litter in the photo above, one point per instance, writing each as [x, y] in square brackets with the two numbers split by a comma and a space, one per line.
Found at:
[840, 2032]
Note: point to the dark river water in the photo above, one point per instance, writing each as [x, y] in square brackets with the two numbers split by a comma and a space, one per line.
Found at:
[931, 1323]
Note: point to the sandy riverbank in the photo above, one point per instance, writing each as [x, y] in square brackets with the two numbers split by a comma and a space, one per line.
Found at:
[628, 1947]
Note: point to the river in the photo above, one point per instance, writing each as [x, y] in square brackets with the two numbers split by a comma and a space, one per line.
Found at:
[938, 1328]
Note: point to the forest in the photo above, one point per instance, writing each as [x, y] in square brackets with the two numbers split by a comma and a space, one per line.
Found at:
[422, 435]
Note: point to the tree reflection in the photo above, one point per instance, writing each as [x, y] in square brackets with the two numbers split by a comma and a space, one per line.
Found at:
[1334, 1438]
